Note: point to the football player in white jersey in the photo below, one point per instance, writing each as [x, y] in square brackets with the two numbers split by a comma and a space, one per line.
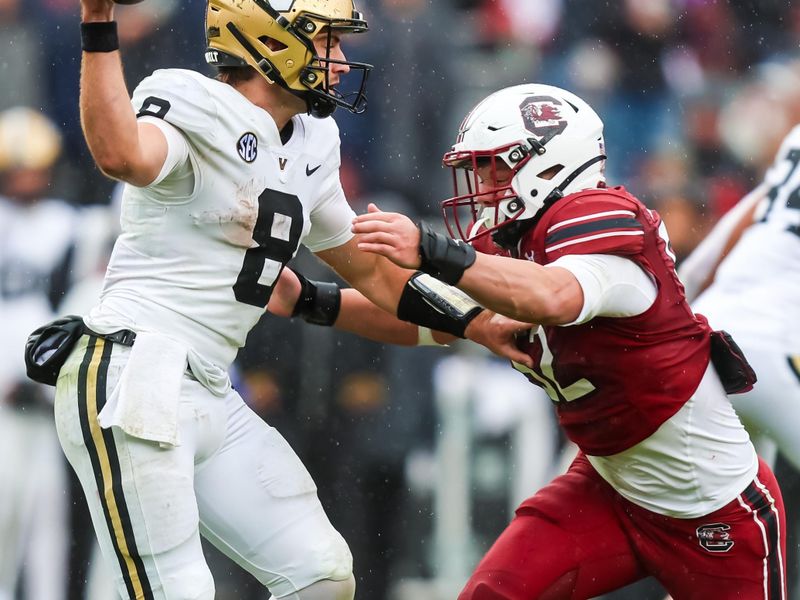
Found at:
[226, 178]
[752, 262]
[47, 246]
[33, 512]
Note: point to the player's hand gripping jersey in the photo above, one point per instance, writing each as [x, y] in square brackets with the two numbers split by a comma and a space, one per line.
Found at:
[615, 380]
[202, 246]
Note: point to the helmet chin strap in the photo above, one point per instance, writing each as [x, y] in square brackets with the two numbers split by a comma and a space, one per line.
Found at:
[508, 236]
[318, 106]
[572, 176]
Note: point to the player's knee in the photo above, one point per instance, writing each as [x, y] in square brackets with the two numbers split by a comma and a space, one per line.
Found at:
[333, 559]
[328, 590]
[480, 590]
[502, 585]
[333, 564]
[193, 583]
[487, 585]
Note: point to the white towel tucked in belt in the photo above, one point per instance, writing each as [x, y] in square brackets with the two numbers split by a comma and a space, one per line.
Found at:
[145, 402]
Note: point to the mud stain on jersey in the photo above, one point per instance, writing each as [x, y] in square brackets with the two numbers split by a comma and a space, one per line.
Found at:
[236, 221]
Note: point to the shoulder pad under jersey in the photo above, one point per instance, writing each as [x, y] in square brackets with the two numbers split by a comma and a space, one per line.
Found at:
[593, 222]
[182, 98]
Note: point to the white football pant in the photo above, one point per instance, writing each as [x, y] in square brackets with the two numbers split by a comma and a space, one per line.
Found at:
[771, 410]
[232, 478]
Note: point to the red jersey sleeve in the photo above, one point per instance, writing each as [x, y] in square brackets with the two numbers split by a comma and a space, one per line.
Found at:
[596, 222]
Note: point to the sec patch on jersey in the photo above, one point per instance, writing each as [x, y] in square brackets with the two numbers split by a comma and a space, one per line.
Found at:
[248, 147]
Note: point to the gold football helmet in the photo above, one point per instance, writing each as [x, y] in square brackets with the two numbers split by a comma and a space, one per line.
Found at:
[28, 140]
[275, 37]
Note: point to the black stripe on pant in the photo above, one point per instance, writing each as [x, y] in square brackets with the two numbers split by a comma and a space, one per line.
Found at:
[105, 464]
[762, 506]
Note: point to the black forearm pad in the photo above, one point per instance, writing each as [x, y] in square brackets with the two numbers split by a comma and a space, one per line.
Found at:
[443, 257]
[319, 302]
[424, 306]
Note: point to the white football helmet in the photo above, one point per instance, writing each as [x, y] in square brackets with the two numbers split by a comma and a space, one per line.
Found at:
[552, 142]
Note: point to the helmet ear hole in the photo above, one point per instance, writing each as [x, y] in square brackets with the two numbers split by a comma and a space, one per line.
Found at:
[550, 172]
[272, 43]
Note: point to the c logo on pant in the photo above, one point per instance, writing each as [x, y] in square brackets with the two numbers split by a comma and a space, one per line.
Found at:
[715, 537]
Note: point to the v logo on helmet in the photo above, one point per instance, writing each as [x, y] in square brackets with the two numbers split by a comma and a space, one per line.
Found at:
[542, 116]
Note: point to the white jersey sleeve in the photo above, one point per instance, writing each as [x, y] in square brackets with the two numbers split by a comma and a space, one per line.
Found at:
[176, 178]
[760, 277]
[612, 286]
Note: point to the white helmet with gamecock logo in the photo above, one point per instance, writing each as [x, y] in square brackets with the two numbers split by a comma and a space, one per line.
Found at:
[550, 139]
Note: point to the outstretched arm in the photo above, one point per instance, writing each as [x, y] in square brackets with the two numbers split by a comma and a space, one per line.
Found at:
[356, 314]
[519, 289]
[352, 311]
[386, 285]
[122, 148]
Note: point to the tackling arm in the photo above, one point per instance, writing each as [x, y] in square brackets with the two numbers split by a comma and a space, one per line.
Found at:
[360, 316]
[122, 148]
[381, 288]
[518, 289]
[351, 310]
[524, 290]
[369, 310]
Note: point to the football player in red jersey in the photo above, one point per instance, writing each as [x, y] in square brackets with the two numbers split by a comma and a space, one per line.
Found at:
[667, 482]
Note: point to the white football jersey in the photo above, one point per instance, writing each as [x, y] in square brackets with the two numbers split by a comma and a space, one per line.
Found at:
[199, 265]
[756, 291]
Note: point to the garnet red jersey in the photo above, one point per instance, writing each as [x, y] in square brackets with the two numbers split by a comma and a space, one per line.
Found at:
[615, 380]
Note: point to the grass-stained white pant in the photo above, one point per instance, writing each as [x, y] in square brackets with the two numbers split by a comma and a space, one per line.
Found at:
[232, 479]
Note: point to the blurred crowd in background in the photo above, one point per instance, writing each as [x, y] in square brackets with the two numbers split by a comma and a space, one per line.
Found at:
[696, 96]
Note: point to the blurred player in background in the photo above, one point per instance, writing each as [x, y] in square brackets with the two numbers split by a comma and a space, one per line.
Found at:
[35, 246]
[667, 482]
[745, 277]
[226, 177]
[46, 245]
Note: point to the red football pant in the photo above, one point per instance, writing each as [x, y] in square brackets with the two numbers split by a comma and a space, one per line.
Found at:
[577, 538]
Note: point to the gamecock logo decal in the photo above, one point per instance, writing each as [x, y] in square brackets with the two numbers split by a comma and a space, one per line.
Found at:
[715, 537]
[542, 117]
